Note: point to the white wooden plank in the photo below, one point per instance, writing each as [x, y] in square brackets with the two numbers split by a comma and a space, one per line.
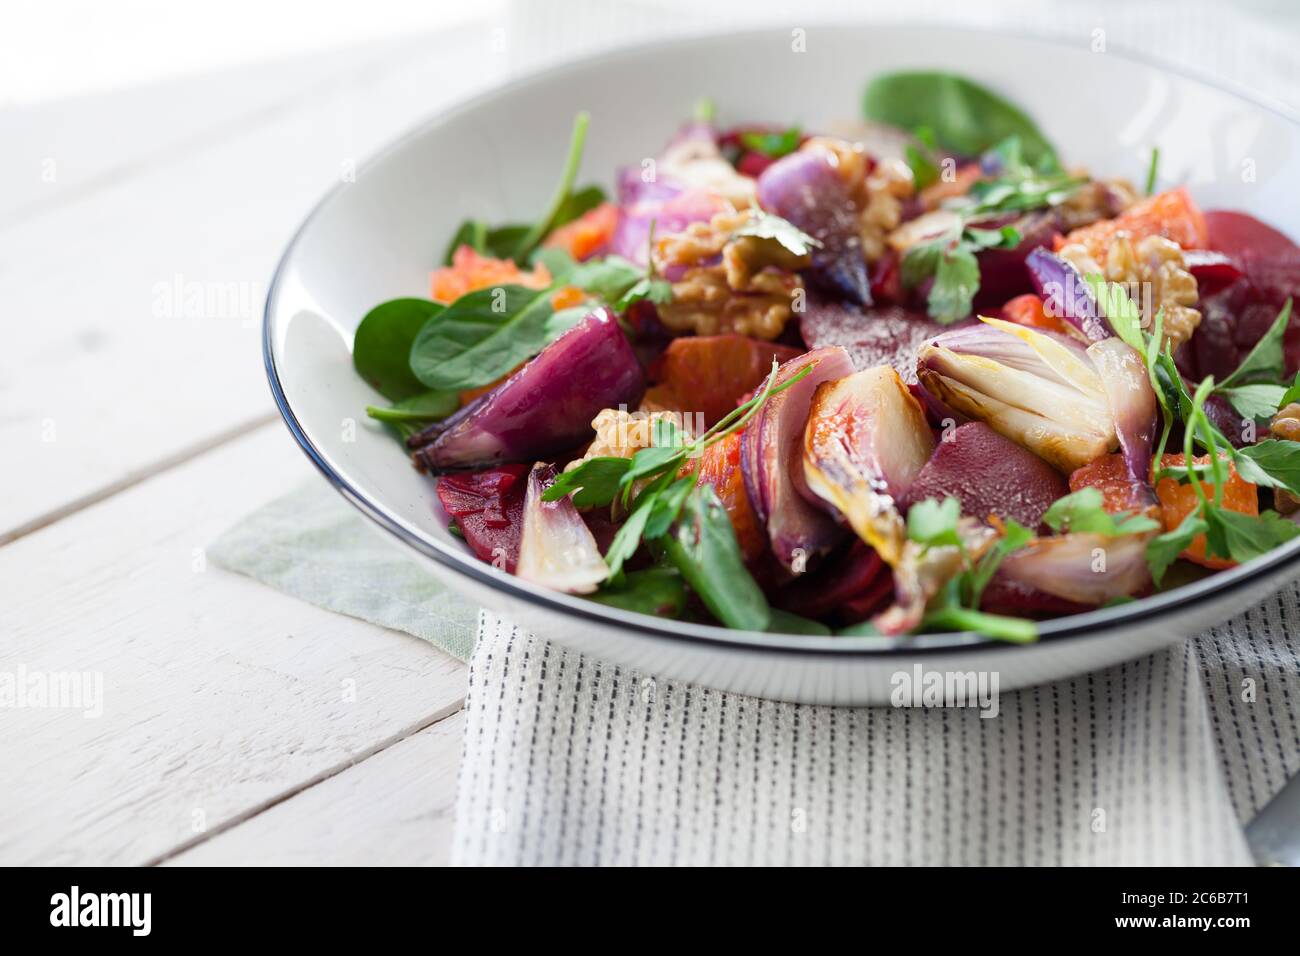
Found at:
[392, 809]
[109, 362]
[219, 696]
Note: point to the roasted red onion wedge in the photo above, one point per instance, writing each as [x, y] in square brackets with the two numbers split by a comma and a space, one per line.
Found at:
[806, 189]
[865, 441]
[1132, 405]
[556, 549]
[772, 464]
[543, 409]
[1039, 390]
[989, 475]
[1066, 295]
[1082, 567]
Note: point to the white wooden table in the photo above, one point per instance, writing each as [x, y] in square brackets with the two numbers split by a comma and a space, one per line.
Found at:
[136, 426]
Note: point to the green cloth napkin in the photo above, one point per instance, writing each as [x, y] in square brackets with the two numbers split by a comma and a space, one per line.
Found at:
[313, 545]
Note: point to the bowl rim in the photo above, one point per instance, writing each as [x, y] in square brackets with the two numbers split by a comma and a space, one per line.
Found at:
[1094, 623]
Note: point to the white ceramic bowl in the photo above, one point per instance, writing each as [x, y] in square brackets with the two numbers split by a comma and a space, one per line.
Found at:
[495, 158]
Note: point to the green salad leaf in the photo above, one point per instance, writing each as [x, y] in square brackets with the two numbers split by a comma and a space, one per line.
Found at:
[950, 260]
[381, 348]
[703, 548]
[657, 591]
[773, 145]
[413, 414]
[965, 117]
[1083, 511]
[517, 241]
[480, 337]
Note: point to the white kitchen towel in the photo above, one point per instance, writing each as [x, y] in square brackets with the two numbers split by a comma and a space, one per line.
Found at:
[569, 760]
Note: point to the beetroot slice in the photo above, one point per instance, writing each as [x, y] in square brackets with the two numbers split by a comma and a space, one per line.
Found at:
[1005, 596]
[1237, 313]
[883, 335]
[488, 507]
[846, 586]
[988, 474]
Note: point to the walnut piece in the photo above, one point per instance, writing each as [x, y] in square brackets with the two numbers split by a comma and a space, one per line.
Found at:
[877, 189]
[1286, 426]
[1155, 275]
[730, 283]
[1095, 200]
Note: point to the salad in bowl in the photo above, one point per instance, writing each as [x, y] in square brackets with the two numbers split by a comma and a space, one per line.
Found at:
[917, 373]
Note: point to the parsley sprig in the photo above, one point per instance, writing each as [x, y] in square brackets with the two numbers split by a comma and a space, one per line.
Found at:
[932, 523]
[658, 503]
[1271, 463]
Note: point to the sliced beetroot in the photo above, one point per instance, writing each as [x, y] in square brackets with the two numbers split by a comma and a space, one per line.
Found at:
[853, 574]
[806, 189]
[882, 335]
[1006, 596]
[488, 507]
[544, 408]
[1241, 311]
[988, 474]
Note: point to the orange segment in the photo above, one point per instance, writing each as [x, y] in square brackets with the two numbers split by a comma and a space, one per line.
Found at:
[1029, 310]
[1171, 214]
[1108, 475]
[719, 466]
[709, 374]
[1177, 502]
[470, 271]
[587, 234]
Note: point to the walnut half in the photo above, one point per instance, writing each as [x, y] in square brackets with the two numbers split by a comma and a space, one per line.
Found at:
[728, 283]
[1156, 276]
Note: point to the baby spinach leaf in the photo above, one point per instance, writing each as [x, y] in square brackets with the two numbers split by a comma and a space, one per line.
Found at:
[562, 202]
[965, 117]
[411, 415]
[658, 591]
[861, 629]
[773, 145]
[784, 622]
[560, 322]
[472, 233]
[1153, 170]
[517, 241]
[703, 548]
[480, 337]
[381, 348]
[1017, 630]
